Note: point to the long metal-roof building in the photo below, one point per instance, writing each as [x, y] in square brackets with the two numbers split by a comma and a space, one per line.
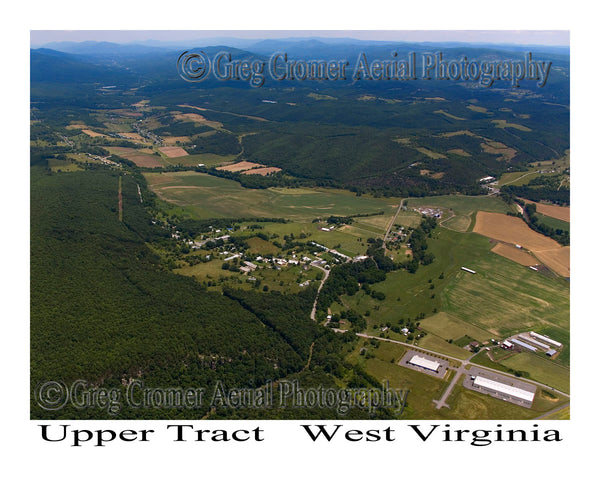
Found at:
[424, 363]
[545, 339]
[524, 345]
[504, 389]
[534, 342]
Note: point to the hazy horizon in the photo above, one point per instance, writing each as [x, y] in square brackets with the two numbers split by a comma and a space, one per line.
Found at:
[518, 37]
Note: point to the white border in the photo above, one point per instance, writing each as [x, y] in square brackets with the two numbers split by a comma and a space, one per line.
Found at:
[286, 453]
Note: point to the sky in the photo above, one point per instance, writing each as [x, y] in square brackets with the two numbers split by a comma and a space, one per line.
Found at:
[523, 37]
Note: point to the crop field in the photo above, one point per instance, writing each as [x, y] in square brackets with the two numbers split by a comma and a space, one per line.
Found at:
[504, 297]
[515, 254]
[241, 166]
[206, 196]
[505, 124]
[554, 211]
[514, 230]
[138, 157]
[92, 134]
[172, 152]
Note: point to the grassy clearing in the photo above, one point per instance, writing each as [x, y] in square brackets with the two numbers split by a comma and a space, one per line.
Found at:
[554, 222]
[449, 327]
[57, 165]
[437, 344]
[518, 178]
[408, 218]
[262, 247]
[205, 196]
[422, 388]
[460, 223]
[505, 124]
[541, 369]
[563, 414]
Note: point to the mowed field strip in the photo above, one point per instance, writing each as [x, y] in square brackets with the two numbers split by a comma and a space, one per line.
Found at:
[514, 230]
[207, 196]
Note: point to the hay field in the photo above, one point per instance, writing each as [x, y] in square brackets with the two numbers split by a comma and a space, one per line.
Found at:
[459, 151]
[241, 166]
[92, 134]
[554, 211]
[505, 124]
[138, 157]
[514, 230]
[173, 152]
[515, 254]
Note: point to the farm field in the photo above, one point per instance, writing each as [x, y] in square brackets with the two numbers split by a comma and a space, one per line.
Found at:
[513, 253]
[514, 230]
[502, 298]
[518, 178]
[141, 159]
[172, 152]
[540, 369]
[241, 166]
[449, 327]
[437, 344]
[206, 196]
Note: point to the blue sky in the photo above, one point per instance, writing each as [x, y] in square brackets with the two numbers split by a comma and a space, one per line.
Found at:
[524, 37]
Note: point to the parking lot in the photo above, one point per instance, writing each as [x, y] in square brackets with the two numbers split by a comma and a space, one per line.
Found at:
[496, 377]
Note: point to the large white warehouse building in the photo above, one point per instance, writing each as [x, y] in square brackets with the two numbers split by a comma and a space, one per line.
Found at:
[504, 389]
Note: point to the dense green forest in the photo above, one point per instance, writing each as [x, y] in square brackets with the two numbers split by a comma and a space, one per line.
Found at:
[105, 310]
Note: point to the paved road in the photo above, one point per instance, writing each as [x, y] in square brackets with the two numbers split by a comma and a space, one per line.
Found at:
[313, 313]
[460, 371]
[387, 232]
[547, 414]
[466, 362]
